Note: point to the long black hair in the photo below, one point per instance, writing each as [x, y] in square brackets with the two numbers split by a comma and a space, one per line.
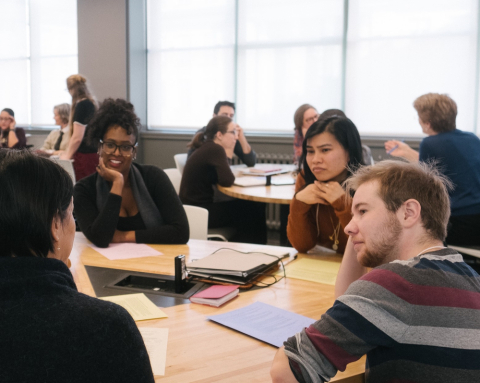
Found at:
[34, 191]
[346, 134]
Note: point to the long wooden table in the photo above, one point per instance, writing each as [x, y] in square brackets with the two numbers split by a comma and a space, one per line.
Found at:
[200, 351]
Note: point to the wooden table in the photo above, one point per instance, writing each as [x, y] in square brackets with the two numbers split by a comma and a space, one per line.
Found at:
[282, 194]
[200, 351]
[269, 194]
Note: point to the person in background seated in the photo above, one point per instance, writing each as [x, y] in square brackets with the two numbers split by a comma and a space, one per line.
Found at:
[84, 104]
[303, 118]
[320, 209]
[416, 314]
[57, 141]
[242, 148]
[207, 167]
[53, 333]
[12, 137]
[124, 201]
[457, 155]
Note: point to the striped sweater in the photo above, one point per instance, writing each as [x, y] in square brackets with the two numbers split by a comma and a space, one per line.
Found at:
[417, 321]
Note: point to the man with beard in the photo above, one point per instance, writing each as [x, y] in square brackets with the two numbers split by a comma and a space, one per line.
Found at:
[416, 314]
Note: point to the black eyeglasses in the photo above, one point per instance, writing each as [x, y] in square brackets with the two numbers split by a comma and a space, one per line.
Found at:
[111, 147]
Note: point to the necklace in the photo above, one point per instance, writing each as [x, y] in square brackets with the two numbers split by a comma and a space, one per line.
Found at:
[334, 236]
[336, 231]
[430, 248]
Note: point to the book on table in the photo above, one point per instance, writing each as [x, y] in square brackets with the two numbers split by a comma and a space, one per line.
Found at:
[215, 295]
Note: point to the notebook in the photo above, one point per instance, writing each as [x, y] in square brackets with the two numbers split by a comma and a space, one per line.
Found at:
[215, 295]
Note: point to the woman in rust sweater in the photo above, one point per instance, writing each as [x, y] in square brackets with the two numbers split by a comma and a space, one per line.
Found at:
[320, 208]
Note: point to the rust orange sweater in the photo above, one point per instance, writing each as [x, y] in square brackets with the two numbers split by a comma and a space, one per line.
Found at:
[302, 230]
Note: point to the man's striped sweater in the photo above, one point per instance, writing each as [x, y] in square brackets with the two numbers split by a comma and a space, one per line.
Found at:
[417, 321]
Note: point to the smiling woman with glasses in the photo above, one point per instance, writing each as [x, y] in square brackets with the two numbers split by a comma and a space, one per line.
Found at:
[124, 201]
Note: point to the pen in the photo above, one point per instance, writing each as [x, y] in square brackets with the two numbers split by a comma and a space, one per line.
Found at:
[394, 148]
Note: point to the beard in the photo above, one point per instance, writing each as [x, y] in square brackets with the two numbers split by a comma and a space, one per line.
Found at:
[385, 248]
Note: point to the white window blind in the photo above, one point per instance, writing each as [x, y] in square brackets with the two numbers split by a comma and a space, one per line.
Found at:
[289, 54]
[38, 51]
[270, 56]
[190, 60]
[267, 56]
[401, 49]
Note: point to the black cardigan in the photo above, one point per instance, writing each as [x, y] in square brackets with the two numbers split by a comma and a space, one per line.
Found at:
[53, 333]
[99, 226]
[206, 167]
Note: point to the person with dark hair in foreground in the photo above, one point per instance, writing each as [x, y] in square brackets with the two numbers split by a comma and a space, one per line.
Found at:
[242, 148]
[51, 332]
[124, 201]
[11, 136]
[320, 209]
[457, 154]
[416, 314]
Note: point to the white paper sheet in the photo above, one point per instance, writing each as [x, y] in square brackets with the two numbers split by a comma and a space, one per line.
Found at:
[264, 322]
[126, 251]
[155, 340]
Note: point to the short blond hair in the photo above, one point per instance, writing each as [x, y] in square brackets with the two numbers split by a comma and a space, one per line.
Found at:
[437, 109]
[400, 181]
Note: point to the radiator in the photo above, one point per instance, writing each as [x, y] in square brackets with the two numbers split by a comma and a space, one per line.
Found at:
[273, 210]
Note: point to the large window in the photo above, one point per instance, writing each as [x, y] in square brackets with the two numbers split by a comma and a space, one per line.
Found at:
[371, 58]
[38, 51]
[269, 56]
[401, 49]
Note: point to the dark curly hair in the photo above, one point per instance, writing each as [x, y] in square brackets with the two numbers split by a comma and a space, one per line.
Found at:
[112, 112]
